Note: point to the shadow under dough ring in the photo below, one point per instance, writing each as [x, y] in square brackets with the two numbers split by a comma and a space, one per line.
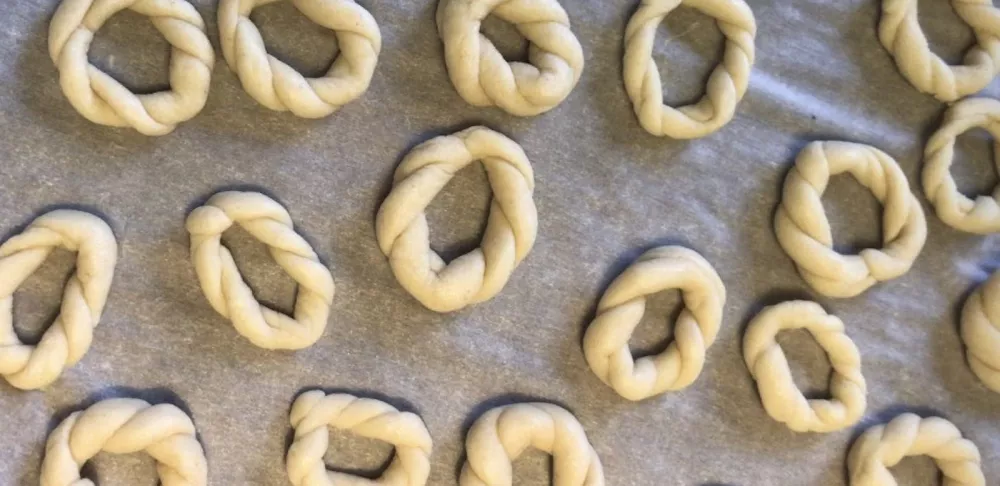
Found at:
[483, 77]
[277, 85]
[900, 33]
[726, 85]
[804, 232]
[981, 216]
[981, 331]
[314, 412]
[769, 367]
[69, 336]
[605, 343]
[401, 223]
[224, 287]
[102, 99]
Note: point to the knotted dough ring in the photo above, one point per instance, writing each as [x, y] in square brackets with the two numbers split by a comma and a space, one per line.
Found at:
[277, 85]
[125, 426]
[224, 287]
[981, 331]
[102, 99]
[315, 411]
[804, 232]
[68, 338]
[883, 446]
[900, 33]
[401, 224]
[503, 433]
[954, 208]
[726, 86]
[483, 77]
[769, 367]
[605, 344]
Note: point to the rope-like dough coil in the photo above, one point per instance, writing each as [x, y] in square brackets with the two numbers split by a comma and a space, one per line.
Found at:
[981, 331]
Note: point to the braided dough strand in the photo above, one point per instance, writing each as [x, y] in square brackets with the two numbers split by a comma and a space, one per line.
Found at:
[69, 337]
[804, 231]
[503, 433]
[726, 85]
[224, 287]
[102, 99]
[981, 331]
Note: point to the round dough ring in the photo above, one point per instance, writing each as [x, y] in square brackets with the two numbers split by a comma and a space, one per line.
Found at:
[981, 331]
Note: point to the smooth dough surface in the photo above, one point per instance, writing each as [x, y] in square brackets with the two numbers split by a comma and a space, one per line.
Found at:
[981, 331]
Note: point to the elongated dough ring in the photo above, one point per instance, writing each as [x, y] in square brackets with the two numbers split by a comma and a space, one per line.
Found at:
[503, 433]
[883, 446]
[277, 85]
[954, 208]
[68, 338]
[401, 224]
[981, 331]
[483, 77]
[769, 367]
[224, 287]
[125, 426]
[315, 411]
[726, 86]
[804, 232]
[900, 33]
[102, 99]
[605, 344]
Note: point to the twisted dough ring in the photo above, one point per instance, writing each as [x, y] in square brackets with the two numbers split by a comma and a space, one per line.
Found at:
[125, 426]
[605, 343]
[224, 287]
[68, 338]
[804, 232]
[726, 85]
[954, 208]
[503, 433]
[277, 85]
[900, 33]
[100, 98]
[401, 224]
[769, 367]
[981, 331]
[314, 411]
[883, 446]
[483, 77]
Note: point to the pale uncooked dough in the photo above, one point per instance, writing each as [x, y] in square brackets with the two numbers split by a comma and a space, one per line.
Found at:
[900, 33]
[981, 331]
[503, 433]
[782, 399]
[224, 287]
[726, 86]
[125, 426]
[401, 225]
[954, 208]
[102, 99]
[483, 77]
[883, 446]
[277, 85]
[605, 343]
[315, 411]
[804, 232]
[68, 338]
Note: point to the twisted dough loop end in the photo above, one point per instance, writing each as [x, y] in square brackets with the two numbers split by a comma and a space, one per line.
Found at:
[883, 446]
[277, 85]
[502, 434]
[981, 331]
[125, 426]
[804, 231]
[68, 338]
[605, 343]
[224, 287]
[401, 223]
[483, 77]
[769, 367]
[726, 85]
[102, 99]
[900, 33]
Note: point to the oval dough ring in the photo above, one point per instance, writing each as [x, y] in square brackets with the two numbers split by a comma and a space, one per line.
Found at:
[981, 331]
